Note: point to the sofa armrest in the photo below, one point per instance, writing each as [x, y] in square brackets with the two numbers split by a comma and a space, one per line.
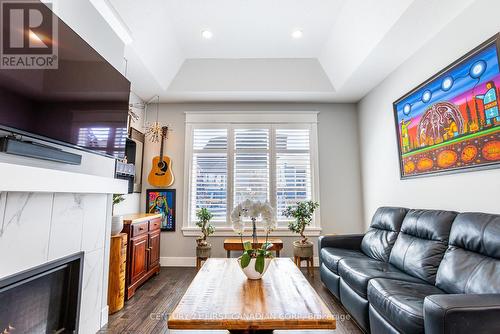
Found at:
[467, 313]
[346, 241]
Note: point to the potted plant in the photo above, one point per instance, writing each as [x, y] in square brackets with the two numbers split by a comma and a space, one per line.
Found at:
[302, 214]
[254, 261]
[203, 248]
[116, 221]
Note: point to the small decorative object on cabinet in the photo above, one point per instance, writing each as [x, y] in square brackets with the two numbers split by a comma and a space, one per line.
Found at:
[254, 261]
[117, 272]
[303, 214]
[203, 248]
[143, 249]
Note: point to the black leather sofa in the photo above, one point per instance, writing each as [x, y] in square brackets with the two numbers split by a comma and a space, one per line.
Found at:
[418, 271]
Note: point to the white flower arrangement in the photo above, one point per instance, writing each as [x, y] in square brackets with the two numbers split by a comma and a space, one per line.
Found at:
[259, 254]
[253, 210]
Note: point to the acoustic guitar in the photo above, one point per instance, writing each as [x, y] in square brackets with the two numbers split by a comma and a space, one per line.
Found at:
[161, 174]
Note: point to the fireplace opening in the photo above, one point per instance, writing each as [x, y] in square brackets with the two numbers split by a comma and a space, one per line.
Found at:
[44, 299]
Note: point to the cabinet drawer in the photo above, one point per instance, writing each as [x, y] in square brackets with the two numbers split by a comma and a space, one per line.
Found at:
[139, 228]
[154, 224]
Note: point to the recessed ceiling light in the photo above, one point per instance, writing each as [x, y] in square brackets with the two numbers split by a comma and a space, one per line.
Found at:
[297, 34]
[207, 34]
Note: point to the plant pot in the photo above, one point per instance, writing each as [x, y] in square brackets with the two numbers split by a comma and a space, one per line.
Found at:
[250, 271]
[116, 225]
[203, 251]
[302, 249]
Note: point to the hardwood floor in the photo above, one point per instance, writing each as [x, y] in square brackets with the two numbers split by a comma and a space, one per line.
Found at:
[146, 312]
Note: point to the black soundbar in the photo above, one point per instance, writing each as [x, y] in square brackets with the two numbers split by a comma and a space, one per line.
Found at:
[38, 151]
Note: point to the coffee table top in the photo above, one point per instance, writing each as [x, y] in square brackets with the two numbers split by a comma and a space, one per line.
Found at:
[221, 297]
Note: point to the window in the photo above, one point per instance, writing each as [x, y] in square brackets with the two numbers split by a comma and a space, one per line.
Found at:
[209, 172]
[293, 168]
[251, 164]
[230, 162]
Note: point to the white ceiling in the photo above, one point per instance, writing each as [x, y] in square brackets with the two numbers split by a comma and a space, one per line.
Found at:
[347, 47]
[252, 28]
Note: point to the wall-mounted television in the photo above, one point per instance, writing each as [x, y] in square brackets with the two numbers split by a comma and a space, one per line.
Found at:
[81, 102]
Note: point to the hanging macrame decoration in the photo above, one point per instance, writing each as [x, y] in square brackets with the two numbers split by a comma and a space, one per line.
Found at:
[153, 130]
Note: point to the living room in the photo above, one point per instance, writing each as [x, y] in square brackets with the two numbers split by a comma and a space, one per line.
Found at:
[250, 167]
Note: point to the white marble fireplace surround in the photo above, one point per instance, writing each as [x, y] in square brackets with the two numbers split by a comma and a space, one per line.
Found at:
[46, 214]
[39, 227]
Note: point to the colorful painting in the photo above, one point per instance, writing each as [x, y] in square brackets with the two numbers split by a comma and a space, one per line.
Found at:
[162, 201]
[452, 121]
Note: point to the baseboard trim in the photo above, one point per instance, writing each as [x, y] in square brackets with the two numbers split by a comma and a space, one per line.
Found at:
[178, 261]
[191, 261]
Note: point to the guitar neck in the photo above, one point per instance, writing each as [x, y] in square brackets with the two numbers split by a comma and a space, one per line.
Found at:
[161, 148]
[163, 138]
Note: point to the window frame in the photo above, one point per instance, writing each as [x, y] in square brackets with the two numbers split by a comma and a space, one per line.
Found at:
[231, 121]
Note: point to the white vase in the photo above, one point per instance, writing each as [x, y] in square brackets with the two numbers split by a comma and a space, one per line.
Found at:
[116, 225]
[250, 271]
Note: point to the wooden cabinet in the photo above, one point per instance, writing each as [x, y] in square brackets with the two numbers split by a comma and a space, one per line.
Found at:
[143, 249]
[138, 257]
[154, 249]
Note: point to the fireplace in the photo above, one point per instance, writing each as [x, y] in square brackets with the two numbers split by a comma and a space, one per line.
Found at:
[44, 299]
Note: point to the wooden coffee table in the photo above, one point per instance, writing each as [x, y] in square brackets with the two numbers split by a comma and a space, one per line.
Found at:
[222, 298]
[234, 244]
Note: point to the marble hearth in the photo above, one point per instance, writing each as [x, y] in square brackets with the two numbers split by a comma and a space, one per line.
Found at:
[37, 227]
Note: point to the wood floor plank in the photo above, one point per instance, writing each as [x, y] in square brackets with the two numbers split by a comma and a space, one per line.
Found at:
[147, 311]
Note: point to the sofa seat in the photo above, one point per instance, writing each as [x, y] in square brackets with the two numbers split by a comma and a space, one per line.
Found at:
[400, 303]
[331, 257]
[357, 272]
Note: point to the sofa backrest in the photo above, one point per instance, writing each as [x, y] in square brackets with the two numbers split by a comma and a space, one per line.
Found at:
[471, 263]
[422, 242]
[384, 229]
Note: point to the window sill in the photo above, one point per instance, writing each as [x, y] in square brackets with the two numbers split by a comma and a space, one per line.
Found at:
[225, 231]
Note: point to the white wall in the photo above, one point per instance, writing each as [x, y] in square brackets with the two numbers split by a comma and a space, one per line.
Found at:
[472, 191]
[340, 188]
[86, 21]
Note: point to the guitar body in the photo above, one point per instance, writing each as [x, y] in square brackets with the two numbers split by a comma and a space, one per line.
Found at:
[161, 174]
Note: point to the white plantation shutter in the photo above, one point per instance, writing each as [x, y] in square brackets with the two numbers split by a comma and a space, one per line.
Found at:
[209, 173]
[293, 168]
[251, 165]
[232, 162]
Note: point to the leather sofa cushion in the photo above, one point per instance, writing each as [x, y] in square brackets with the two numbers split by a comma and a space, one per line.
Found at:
[384, 228]
[331, 257]
[471, 263]
[356, 273]
[422, 242]
[401, 303]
